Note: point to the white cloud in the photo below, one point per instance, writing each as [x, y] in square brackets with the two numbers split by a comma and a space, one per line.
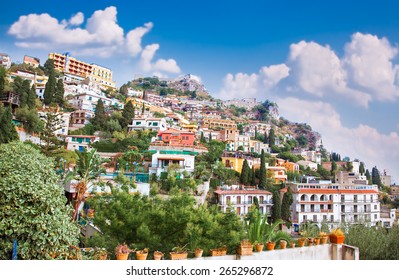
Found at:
[362, 142]
[368, 61]
[253, 85]
[158, 68]
[102, 36]
[133, 38]
[77, 19]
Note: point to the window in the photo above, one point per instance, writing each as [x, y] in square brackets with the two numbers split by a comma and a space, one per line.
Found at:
[305, 217]
[138, 123]
[314, 218]
[375, 216]
[375, 207]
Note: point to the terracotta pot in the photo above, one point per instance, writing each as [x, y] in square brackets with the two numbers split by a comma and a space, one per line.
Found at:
[292, 244]
[310, 241]
[122, 257]
[317, 241]
[178, 256]
[259, 247]
[283, 244]
[198, 253]
[158, 255]
[101, 257]
[270, 246]
[301, 242]
[337, 239]
[218, 252]
[141, 255]
[323, 239]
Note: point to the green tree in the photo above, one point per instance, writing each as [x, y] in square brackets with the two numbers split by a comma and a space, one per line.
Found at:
[50, 90]
[361, 168]
[88, 169]
[59, 93]
[286, 205]
[49, 67]
[333, 168]
[265, 138]
[2, 80]
[272, 138]
[29, 118]
[8, 132]
[31, 100]
[368, 176]
[127, 114]
[262, 172]
[375, 177]
[202, 139]
[99, 119]
[124, 89]
[48, 138]
[253, 176]
[17, 85]
[32, 206]
[276, 208]
[245, 173]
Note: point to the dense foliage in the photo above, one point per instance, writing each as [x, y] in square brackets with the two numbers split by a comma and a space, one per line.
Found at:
[374, 243]
[162, 224]
[32, 206]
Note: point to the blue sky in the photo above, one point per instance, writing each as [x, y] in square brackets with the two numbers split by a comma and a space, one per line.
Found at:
[332, 65]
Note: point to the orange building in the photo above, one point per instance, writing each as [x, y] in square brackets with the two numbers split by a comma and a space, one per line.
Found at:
[176, 137]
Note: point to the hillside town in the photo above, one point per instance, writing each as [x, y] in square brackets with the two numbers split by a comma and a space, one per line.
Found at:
[115, 152]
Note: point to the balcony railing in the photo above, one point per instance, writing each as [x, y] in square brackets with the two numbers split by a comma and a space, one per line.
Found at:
[265, 202]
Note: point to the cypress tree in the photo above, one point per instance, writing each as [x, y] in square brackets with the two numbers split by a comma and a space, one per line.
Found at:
[8, 132]
[361, 168]
[368, 176]
[265, 138]
[272, 138]
[253, 177]
[2, 80]
[276, 208]
[286, 205]
[375, 176]
[262, 172]
[99, 119]
[59, 95]
[50, 89]
[31, 102]
[245, 173]
[256, 132]
[202, 139]
[127, 114]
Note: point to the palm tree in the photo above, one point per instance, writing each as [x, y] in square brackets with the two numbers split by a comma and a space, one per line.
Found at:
[88, 168]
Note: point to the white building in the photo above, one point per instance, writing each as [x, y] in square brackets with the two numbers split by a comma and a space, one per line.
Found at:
[79, 142]
[5, 60]
[242, 199]
[305, 163]
[335, 203]
[162, 159]
[148, 123]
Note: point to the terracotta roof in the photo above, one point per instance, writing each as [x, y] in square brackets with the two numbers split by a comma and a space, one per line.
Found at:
[242, 192]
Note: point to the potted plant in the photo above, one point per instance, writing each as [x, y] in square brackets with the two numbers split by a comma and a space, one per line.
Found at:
[273, 235]
[100, 254]
[283, 244]
[337, 236]
[301, 241]
[245, 248]
[198, 252]
[142, 254]
[220, 251]
[122, 252]
[179, 253]
[309, 231]
[256, 229]
[292, 244]
[323, 237]
[158, 255]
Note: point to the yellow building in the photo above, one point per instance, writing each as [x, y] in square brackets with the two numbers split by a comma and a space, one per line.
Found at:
[219, 123]
[70, 65]
[236, 163]
[102, 75]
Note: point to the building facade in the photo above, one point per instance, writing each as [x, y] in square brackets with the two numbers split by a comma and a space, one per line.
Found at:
[158, 124]
[335, 203]
[241, 199]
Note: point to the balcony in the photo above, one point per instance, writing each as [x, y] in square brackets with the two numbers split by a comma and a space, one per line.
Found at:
[265, 202]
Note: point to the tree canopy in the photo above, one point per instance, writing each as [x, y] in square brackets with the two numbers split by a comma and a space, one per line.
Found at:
[32, 206]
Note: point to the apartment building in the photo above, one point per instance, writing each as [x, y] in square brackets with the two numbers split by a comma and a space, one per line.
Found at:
[158, 124]
[241, 199]
[5, 60]
[335, 203]
[219, 123]
[176, 137]
[72, 66]
[80, 118]
[32, 61]
[79, 142]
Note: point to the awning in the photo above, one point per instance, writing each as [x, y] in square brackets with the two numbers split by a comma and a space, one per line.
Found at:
[170, 158]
